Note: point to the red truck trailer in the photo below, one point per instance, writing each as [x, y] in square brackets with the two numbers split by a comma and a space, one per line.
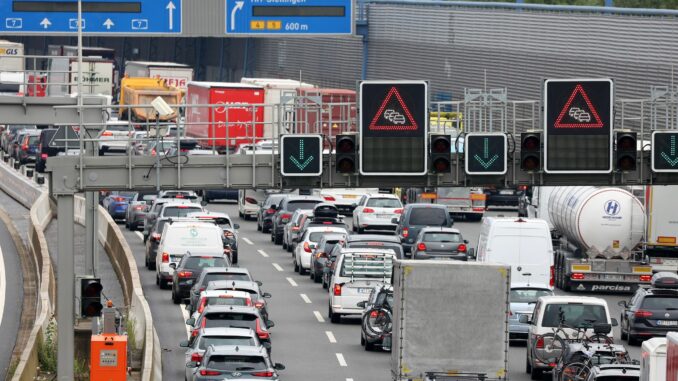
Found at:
[328, 111]
[205, 123]
[672, 356]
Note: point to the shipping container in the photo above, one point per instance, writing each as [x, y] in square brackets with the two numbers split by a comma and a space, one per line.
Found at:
[98, 76]
[326, 111]
[235, 124]
[175, 74]
[10, 56]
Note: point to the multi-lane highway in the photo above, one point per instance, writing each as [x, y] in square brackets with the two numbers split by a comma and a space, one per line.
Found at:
[303, 338]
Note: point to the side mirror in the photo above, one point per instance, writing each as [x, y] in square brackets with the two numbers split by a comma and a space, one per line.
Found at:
[173, 266]
[203, 203]
[466, 241]
[622, 303]
[266, 345]
[184, 344]
[190, 322]
[259, 283]
[236, 226]
[524, 319]
[270, 324]
[266, 295]
[279, 366]
[192, 364]
[361, 304]
[614, 322]
[395, 220]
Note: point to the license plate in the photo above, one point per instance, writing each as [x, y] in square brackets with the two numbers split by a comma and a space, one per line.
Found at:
[506, 192]
[364, 290]
[383, 216]
[667, 322]
[350, 196]
[614, 277]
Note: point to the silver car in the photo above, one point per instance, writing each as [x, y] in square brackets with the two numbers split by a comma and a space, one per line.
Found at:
[440, 243]
[227, 362]
[292, 228]
[136, 211]
[523, 298]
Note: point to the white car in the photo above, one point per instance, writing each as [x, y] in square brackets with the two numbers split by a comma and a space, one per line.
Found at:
[222, 298]
[577, 311]
[179, 238]
[344, 198]
[115, 137]
[376, 212]
[292, 228]
[306, 244]
[356, 273]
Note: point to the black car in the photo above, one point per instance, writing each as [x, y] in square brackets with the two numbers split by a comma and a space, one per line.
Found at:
[652, 311]
[45, 150]
[284, 212]
[189, 269]
[502, 197]
[321, 254]
[418, 216]
[214, 274]
[266, 212]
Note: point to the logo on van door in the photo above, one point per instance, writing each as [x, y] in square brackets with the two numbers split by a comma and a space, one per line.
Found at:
[612, 207]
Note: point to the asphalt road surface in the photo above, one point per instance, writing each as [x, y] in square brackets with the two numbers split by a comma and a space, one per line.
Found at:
[11, 295]
[303, 339]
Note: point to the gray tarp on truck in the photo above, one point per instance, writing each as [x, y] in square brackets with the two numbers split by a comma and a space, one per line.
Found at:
[450, 317]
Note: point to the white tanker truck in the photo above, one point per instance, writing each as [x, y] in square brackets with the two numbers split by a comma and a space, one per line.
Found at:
[597, 237]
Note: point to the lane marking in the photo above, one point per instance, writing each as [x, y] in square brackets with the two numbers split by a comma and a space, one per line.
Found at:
[138, 233]
[184, 313]
[263, 253]
[306, 299]
[248, 241]
[3, 285]
[318, 316]
[330, 337]
[341, 359]
[277, 267]
[292, 282]
[349, 379]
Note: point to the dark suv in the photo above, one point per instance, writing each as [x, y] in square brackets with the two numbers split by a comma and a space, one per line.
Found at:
[266, 212]
[285, 210]
[652, 311]
[188, 271]
[418, 216]
[45, 150]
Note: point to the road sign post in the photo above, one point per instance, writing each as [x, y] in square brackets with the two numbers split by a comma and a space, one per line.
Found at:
[301, 155]
[393, 128]
[578, 126]
[485, 153]
[302, 18]
[665, 151]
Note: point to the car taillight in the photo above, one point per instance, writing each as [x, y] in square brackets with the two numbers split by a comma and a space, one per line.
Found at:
[285, 217]
[374, 314]
[540, 343]
[24, 147]
[153, 153]
[196, 357]
[398, 211]
[43, 156]
[206, 372]
[577, 276]
[406, 232]
[107, 133]
[270, 211]
[552, 280]
[307, 247]
[185, 274]
[263, 374]
[118, 199]
[259, 304]
[260, 332]
[155, 237]
[461, 248]
[295, 229]
[138, 207]
[337, 290]
[421, 246]
[329, 198]
[645, 278]
[642, 314]
[368, 210]
[165, 257]
[203, 302]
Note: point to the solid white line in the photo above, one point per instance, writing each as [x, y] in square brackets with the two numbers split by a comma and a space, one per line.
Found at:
[248, 241]
[292, 282]
[141, 236]
[341, 359]
[277, 267]
[318, 316]
[330, 337]
[306, 299]
[184, 313]
[263, 253]
[3, 285]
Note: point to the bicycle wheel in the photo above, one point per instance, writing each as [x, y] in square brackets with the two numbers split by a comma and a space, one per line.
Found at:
[600, 338]
[576, 371]
[377, 322]
[549, 348]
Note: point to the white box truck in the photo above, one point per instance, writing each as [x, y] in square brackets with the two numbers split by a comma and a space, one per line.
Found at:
[653, 360]
[11, 56]
[461, 331]
[175, 74]
[661, 244]
[98, 76]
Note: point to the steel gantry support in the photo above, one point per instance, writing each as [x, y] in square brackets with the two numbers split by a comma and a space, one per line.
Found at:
[65, 288]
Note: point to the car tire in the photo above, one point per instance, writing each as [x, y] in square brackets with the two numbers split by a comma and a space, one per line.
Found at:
[528, 366]
[633, 340]
[623, 335]
[302, 271]
[157, 279]
[284, 245]
[369, 347]
[334, 318]
[175, 299]
[277, 239]
[234, 257]
[296, 266]
[362, 340]
[162, 284]
[317, 278]
[258, 226]
[290, 248]
[537, 374]
[325, 285]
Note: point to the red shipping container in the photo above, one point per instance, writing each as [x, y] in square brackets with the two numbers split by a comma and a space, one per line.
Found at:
[37, 85]
[335, 113]
[244, 122]
[672, 356]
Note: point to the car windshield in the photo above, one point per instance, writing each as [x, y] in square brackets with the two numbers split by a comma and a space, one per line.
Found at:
[226, 301]
[316, 236]
[228, 319]
[33, 139]
[428, 217]
[117, 127]
[237, 363]
[202, 262]
[205, 342]
[224, 276]
[274, 200]
[180, 211]
[301, 204]
[383, 203]
[660, 303]
[442, 237]
[527, 295]
[576, 315]
[328, 247]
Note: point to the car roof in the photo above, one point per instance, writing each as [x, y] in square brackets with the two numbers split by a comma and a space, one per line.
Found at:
[227, 331]
[325, 228]
[216, 293]
[212, 308]
[382, 195]
[247, 284]
[195, 223]
[373, 237]
[205, 254]
[572, 299]
[209, 214]
[248, 350]
[294, 197]
[170, 204]
[441, 229]
[333, 236]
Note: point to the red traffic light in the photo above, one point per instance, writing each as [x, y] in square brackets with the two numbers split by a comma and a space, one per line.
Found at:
[531, 143]
[441, 165]
[441, 144]
[345, 145]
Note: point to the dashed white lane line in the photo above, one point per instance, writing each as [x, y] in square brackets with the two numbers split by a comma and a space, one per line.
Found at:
[277, 267]
[349, 379]
[292, 282]
[305, 298]
[330, 337]
[248, 241]
[141, 236]
[184, 313]
[263, 253]
[318, 316]
[341, 359]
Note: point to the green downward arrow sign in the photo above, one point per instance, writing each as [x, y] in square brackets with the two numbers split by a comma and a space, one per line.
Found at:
[668, 158]
[486, 163]
[300, 162]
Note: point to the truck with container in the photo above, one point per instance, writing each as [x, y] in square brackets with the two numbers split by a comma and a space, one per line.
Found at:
[224, 115]
[175, 74]
[107, 54]
[661, 239]
[136, 91]
[466, 202]
[597, 237]
[12, 67]
[98, 76]
[471, 343]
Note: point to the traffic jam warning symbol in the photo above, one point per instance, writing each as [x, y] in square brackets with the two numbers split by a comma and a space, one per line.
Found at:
[393, 114]
[578, 112]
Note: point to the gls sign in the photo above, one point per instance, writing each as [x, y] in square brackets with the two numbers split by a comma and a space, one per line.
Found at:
[9, 52]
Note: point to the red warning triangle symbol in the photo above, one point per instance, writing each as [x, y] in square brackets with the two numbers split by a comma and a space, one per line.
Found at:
[393, 114]
[579, 112]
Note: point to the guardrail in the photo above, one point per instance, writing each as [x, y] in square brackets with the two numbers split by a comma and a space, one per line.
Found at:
[37, 199]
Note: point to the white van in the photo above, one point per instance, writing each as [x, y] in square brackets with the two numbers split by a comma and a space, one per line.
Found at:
[522, 243]
[249, 201]
[179, 238]
[653, 360]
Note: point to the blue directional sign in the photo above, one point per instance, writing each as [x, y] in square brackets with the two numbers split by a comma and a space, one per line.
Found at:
[289, 17]
[100, 16]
